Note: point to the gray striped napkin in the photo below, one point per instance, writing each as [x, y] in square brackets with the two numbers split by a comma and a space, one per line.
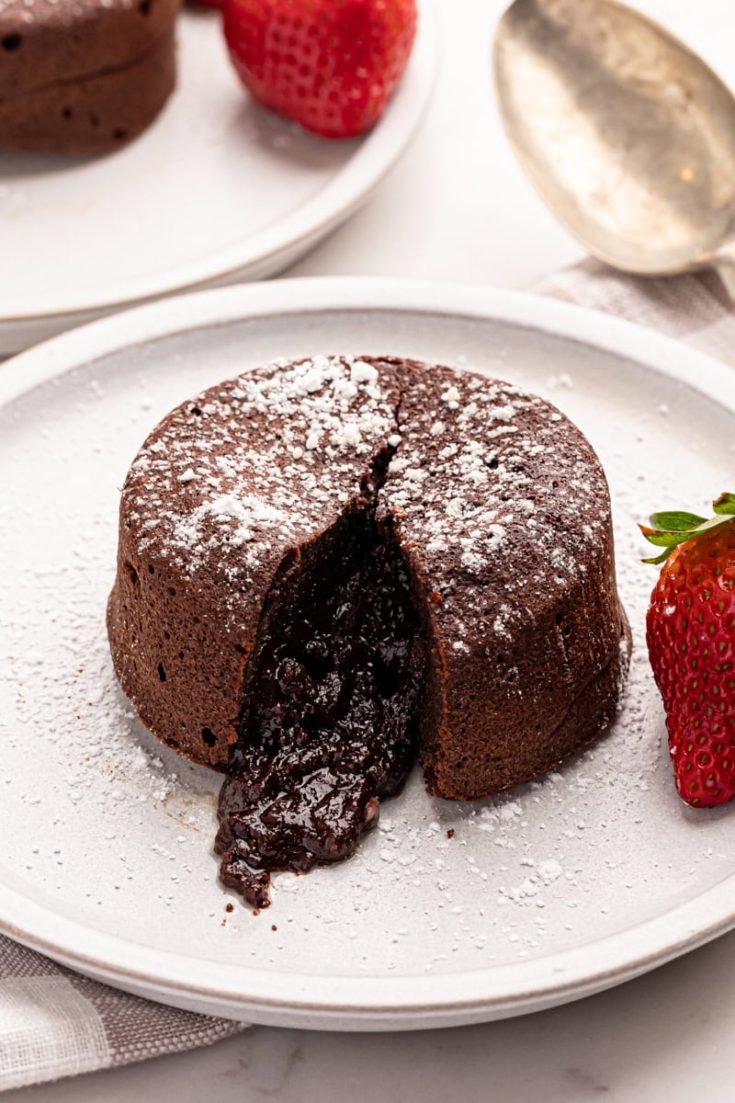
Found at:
[695, 308]
[56, 1023]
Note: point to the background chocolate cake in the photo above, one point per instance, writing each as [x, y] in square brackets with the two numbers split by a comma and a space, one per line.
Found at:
[83, 76]
[341, 563]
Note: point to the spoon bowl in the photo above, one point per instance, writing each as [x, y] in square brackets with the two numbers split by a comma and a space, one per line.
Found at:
[628, 136]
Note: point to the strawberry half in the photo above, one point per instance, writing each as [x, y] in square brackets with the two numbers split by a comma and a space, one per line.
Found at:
[690, 629]
[331, 65]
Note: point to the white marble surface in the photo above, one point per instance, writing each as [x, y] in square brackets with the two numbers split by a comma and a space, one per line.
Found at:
[458, 208]
[666, 1037]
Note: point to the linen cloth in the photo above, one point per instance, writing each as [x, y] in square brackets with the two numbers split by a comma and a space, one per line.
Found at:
[54, 1022]
[694, 308]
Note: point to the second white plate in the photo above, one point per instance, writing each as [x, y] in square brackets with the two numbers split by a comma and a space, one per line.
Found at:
[217, 189]
[554, 891]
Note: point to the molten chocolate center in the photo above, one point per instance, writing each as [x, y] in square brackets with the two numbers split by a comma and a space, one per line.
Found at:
[332, 699]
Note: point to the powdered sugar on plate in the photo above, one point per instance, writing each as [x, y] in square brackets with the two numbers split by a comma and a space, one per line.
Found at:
[100, 823]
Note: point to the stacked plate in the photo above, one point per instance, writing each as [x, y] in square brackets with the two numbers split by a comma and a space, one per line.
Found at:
[217, 190]
[557, 890]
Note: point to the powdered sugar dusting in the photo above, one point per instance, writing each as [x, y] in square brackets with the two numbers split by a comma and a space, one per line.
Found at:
[141, 868]
[505, 485]
[101, 764]
[490, 476]
[264, 462]
[232, 479]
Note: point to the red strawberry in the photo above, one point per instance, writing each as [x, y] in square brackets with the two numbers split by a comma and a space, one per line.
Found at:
[331, 65]
[691, 644]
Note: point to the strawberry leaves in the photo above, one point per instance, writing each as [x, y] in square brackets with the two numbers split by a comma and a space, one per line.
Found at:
[676, 521]
[670, 528]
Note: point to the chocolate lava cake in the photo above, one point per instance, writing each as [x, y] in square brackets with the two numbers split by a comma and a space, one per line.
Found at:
[328, 568]
[83, 76]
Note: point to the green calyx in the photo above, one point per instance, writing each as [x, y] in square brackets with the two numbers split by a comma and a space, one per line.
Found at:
[674, 527]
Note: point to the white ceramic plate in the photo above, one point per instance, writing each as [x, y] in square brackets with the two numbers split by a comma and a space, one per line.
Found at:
[553, 892]
[217, 190]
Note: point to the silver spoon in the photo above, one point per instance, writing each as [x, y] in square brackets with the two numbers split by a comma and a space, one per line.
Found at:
[628, 136]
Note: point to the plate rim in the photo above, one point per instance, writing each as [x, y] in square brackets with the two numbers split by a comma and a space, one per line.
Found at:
[399, 1002]
[345, 192]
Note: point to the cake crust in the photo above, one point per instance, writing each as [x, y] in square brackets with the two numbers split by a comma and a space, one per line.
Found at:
[500, 508]
[83, 76]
